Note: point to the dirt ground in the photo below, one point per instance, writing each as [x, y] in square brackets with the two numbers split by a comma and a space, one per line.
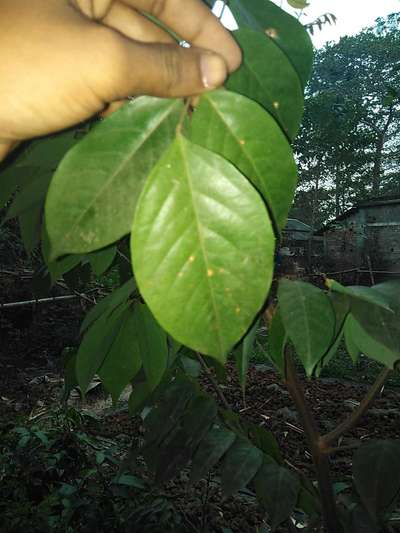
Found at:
[32, 341]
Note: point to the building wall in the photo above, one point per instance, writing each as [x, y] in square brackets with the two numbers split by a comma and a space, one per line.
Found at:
[371, 231]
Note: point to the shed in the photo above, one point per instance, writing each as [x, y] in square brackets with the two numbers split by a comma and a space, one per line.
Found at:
[367, 234]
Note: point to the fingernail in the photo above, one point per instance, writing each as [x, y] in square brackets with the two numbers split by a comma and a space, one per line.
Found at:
[213, 70]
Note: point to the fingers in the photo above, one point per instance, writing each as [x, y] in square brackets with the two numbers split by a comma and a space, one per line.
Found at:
[190, 19]
[165, 70]
[94, 9]
[194, 22]
[132, 24]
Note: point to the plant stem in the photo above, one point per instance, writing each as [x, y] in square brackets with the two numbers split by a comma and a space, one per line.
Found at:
[213, 382]
[348, 424]
[321, 460]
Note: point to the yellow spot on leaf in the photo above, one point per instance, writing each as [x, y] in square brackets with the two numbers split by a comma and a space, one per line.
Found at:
[210, 272]
[242, 142]
[271, 32]
[180, 274]
[191, 258]
[237, 310]
[275, 104]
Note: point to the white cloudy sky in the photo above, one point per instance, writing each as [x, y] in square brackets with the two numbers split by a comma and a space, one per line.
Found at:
[352, 15]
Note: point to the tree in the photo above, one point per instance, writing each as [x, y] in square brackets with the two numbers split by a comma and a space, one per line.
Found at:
[349, 140]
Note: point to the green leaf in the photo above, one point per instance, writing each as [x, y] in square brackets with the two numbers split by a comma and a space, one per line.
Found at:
[140, 394]
[358, 292]
[257, 78]
[57, 269]
[358, 340]
[196, 423]
[376, 470]
[264, 440]
[351, 347]
[277, 489]
[47, 152]
[101, 260]
[30, 225]
[382, 325]
[285, 31]
[277, 340]
[242, 132]
[309, 320]
[165, 416]
[202, 249]
[94, 347]
[107, 304]
[93, 194]
[298, 4]
[240, 466]
[341, 307]
[361, 522]
[129, 481]
[243, 353]
[32, 194]
[123, 360]
[217, 441]
[152, 343]
[13, 177]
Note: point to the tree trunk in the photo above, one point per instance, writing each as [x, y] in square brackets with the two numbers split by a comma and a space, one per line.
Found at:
[377, 169]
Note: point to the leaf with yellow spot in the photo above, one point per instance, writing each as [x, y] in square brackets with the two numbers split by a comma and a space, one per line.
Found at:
[245, 134]
[196, 204]
[283, 29]
[272, 82]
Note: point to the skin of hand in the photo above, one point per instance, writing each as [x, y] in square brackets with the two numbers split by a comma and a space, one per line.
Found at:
[63, 61]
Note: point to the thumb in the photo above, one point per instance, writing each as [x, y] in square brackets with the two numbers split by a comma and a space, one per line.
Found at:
[165, 70]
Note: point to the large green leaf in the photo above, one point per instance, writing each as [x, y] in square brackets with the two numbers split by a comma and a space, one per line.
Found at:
[182, 444]
[359, 340]
[165, 416]
[267, 76]
[309, 320]
[31, 195]
[202, 249]
[14, 177]
[30, 225]
[358, 293]
[240, 466]
[376, 470]
[107, 304]
[93, 194]
[94, 347]
[264, 440]
[381, 325]
[277, 488]
[282, 28]
[241, 131]
[101, 260]
[351, 346]
[277, 340]
[243, 353]
[123, 360]
[217, 441]
[341, 306]
[47, 152]
[152, 341]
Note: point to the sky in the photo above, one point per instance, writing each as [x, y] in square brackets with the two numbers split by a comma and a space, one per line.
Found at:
[352, 16]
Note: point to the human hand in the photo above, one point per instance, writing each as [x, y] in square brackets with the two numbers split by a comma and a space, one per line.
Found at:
[61, 62]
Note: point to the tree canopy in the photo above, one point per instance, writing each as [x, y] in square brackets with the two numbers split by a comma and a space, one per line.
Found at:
[349, 144]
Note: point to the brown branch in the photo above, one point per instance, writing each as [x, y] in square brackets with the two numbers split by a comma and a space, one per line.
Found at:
[321, 461]
[349, 423]
[213, 382]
